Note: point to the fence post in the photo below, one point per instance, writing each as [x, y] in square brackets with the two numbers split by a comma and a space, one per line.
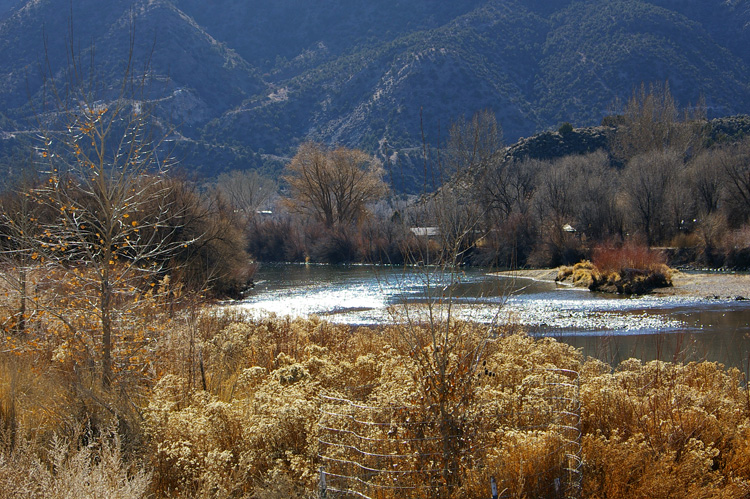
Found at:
[493, 485]
[322, 483]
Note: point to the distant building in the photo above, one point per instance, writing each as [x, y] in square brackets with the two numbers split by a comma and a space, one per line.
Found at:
[425, 231]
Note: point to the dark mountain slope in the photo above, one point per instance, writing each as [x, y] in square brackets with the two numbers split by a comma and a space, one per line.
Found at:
[249, 80]
[597, 52]
[199, 75]
[265, 33]
[727, 21]
[481, 57]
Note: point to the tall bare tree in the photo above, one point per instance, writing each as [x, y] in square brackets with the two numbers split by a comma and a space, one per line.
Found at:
[647, 181]
[735, 167]
[106, 183]
[333, 186]
[652, 121]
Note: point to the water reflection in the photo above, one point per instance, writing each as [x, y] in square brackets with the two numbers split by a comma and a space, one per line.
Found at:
[609, 327]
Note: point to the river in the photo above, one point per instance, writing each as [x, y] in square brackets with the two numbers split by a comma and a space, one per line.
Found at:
[612, 328]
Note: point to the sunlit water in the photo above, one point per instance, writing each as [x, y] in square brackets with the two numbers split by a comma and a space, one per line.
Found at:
[603, 325]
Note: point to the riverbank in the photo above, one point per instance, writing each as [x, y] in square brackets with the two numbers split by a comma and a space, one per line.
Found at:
[692, 284]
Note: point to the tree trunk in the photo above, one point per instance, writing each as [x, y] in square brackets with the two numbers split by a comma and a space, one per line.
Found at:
[106, 313]
[21, 326]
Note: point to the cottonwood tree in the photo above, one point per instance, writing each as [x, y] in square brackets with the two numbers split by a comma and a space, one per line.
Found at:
[705, 177]
[333, 186]
[735, 167]
[474, 146]
[106, 182]
[555, 205]
[647, 182]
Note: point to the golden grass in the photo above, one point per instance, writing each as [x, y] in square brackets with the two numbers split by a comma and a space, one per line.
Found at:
[223, 406]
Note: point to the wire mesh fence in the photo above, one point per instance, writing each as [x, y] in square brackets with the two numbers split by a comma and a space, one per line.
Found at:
[388, 451]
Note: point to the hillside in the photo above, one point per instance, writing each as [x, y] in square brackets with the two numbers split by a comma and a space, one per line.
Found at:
[247, 81]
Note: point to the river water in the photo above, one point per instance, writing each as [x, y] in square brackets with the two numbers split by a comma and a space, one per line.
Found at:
[611, 328]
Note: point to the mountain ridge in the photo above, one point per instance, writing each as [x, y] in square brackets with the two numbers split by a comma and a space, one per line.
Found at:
[247, 81]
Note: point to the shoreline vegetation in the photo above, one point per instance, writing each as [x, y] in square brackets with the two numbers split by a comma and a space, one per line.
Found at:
[226, 406]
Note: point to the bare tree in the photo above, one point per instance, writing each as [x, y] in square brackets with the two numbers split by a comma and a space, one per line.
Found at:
[246, 191]
[646, 181]
[106, 183]
[735, 167]
[652, 122]
[333, 186]
[508, 186]
[474, 146]
[705, 176]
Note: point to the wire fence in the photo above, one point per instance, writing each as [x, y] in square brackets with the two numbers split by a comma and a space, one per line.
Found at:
[382, 452]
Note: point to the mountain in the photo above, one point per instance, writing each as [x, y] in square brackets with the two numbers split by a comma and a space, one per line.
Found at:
[248, 80]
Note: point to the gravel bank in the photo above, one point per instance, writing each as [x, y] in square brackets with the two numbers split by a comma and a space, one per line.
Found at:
[699, 285]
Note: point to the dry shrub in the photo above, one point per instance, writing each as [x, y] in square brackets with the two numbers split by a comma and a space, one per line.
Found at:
[618, 467]
[526, 464]
[628, 269]
[265, 426]
[211, 448]
[609, 258]
[583, 274]
[276, 240]
[675, 427]
[254, 430]
[687, 240]
[659, 429]
[736, 247]
[563, 272]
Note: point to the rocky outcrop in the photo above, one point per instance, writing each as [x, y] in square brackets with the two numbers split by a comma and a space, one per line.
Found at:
[552, 145]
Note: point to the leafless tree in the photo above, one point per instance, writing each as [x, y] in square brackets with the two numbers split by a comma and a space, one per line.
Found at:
[705, 176]
[106, 182]
[333, 186]
[474, 146]
[246, 191]
[735, 167]
[647, 181]
[652, 122]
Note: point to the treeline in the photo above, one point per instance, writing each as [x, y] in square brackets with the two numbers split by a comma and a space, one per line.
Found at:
[663, 180]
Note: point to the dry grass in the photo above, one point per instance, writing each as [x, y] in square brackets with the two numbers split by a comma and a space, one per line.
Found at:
[223, 406]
